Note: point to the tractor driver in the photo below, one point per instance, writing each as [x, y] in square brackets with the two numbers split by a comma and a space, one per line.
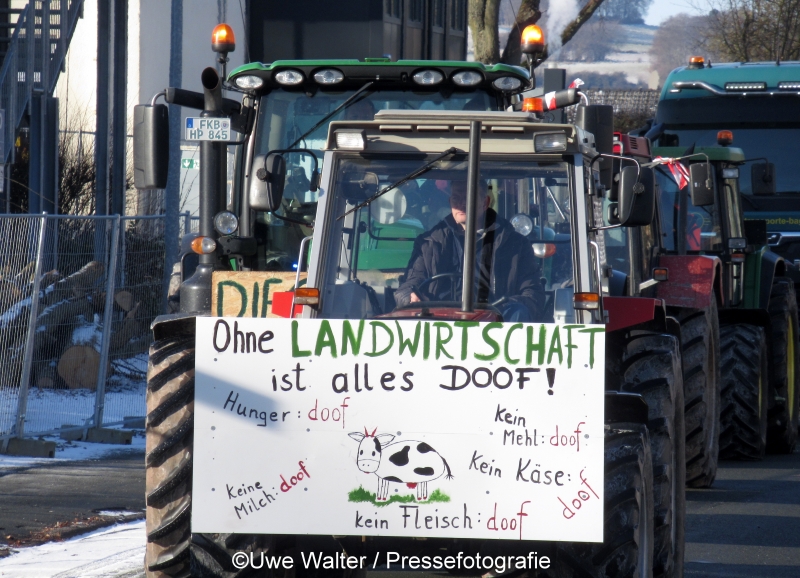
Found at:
[506, 272]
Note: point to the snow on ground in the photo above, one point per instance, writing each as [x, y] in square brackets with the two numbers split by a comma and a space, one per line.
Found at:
[73, 451]
[117, 551]
[49, 409]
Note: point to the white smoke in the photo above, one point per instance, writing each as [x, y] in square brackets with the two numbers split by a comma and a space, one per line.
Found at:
[559, 14]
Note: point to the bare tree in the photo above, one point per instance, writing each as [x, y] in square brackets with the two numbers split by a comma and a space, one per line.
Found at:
[625, 11]
[751, 30]
[678, 38]
[592, 42]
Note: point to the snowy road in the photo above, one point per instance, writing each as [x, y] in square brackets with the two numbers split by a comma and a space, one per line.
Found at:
[747, 525]
[116, 552]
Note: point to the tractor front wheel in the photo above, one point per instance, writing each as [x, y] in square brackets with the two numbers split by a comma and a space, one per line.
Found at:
[700, 351]
[172, 551]
[651, 367]
[745, 380]
[627, 547]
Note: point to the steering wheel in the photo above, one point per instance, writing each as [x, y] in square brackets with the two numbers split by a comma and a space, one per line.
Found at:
[454, 276]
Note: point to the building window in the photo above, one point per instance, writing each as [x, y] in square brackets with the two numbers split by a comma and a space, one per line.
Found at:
[392, 8]
[415, 10]
[457, 15]
[438, 13]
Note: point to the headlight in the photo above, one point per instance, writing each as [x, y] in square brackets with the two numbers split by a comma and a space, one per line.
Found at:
[328, 76]
[249, 82]
[745, 86]
[428, 77]
[507, 83]
[730, 173]
[550, 142]
[350, 140]
[467, 78]
[226, 223]
[522, 224]
[289, 77]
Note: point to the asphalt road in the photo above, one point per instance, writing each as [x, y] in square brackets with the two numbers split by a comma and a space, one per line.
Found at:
[40, 497]
[746, 526]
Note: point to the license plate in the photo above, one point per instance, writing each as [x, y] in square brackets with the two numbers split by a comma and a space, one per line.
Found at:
[216, 129]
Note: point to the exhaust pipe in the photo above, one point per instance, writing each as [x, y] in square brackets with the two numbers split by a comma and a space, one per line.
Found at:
[196, 291]
[470, 230]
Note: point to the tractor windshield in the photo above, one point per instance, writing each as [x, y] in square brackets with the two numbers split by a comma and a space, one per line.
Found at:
[703, 232]
[405, 249]
[285, 116]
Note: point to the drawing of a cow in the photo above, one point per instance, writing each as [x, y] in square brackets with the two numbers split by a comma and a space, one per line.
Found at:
[409, 462]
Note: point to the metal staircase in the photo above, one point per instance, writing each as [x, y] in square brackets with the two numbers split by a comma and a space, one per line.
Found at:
[33, 51]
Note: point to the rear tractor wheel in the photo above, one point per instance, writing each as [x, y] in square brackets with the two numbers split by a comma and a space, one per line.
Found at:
[783, 415]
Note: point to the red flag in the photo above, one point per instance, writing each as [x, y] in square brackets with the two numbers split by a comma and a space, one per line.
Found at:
[550, 100]
[679, 171]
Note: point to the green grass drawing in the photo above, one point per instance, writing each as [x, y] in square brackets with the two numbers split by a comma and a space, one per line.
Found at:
[362, 495]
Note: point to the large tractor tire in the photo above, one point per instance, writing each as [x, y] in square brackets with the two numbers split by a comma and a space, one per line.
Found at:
[700, 353]
[172, 551]
[745, 383]
[783, 416]
[651, 367]
[627, 547]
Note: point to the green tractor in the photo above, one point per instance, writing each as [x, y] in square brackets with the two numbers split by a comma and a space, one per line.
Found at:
[753, 104]
[341, 208]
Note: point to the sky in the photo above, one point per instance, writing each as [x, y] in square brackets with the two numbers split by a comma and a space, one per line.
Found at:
[660, 10]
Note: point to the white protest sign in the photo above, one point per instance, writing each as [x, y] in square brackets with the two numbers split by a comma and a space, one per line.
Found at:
[399, 428]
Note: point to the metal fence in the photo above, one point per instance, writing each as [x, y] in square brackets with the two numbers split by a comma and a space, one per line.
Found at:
[77, 295]
[188, 223]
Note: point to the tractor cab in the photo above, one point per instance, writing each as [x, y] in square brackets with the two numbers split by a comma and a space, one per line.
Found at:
[531, 257]
[704, 217]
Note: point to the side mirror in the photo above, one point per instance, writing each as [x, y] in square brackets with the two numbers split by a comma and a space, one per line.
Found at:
[150, 146]
[701, 184]
[637, 199]
[762, 178]
[357, 187]
[267, 179]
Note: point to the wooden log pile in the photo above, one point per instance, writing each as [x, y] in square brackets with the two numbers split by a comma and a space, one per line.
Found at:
[68, 336]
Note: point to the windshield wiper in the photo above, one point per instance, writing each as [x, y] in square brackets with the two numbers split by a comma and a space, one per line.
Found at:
[353, 97]
[413, 175]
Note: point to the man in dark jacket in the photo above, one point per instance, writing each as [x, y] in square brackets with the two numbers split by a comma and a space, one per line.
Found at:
[505, 268]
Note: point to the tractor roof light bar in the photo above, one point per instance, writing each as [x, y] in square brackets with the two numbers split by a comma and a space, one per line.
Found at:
[679, 85]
